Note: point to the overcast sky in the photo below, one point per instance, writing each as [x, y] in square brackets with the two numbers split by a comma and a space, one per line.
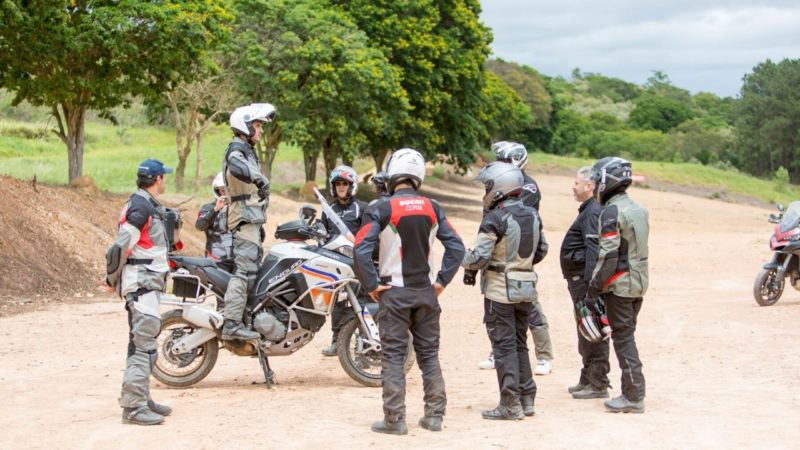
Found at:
[703, 45]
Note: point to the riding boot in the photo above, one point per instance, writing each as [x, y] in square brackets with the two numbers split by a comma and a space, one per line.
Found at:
[236, 330]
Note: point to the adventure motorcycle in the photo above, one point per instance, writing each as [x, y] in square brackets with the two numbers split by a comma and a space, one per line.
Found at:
[785, 243]
[295, 290]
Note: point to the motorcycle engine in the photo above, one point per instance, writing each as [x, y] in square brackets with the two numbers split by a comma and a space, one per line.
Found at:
[269, 326]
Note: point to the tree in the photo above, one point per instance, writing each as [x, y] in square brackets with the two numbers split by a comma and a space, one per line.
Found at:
[77, 55]
[529, 85]
[504, 114]
[439, 47]
[768, 117]
[659, 84]
[658, 113]
[333, 91]
[195, 107]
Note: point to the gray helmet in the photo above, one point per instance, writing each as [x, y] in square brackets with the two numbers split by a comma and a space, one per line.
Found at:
[611, 175]
[501, 181]
[511, 152]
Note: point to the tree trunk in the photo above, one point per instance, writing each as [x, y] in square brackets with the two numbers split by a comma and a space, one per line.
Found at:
[310, 164]
[268, 148]
[329, 154]
[378, 156]
[184, 149]
[74, 136]
[198, 175]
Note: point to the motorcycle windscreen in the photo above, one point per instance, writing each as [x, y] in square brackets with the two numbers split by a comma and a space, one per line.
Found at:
[791, 218]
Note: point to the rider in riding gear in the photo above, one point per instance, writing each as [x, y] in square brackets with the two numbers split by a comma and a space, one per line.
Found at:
[248, 191]
[343, 187]
[620, 276]
[137, 268]
[213, 221]
[578, 258]
[516, 154]
[510, 242]
[403, 226]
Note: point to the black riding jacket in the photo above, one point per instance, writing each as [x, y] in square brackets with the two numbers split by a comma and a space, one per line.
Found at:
[219, 241]
[580, 246]
[531, 195]
[404, 226]
[351, 213]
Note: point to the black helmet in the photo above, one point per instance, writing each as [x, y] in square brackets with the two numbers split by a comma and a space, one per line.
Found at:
[611, 176]
[379, 181]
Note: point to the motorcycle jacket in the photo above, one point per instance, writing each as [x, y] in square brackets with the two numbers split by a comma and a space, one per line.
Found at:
[219, 241]
[351, 213]
[622, 258]
[531, 195]
[138, 258]
[243, 177]
[579, 249]
[510, 241]
[403, 226]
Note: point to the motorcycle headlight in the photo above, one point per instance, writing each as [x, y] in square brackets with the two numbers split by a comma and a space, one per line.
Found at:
[345, 250]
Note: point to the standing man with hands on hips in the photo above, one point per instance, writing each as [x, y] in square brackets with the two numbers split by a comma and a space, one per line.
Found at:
[405, 283]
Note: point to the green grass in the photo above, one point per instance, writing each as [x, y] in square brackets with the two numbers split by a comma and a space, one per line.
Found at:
[720, 182]
[112, 154]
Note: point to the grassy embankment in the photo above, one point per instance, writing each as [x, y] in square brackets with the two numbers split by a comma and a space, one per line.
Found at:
[112, 153]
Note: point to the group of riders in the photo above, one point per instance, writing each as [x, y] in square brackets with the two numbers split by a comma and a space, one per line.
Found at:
[603, 259]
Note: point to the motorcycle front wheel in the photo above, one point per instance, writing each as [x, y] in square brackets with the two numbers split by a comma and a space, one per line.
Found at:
[767, 289]
[360, 362]
[186, 369]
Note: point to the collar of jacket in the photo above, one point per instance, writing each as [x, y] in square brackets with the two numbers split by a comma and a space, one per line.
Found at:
[509, 201]
[586, 204]
[153, 201]
[406, 192]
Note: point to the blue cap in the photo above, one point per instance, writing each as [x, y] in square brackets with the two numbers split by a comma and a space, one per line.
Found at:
[151, 168]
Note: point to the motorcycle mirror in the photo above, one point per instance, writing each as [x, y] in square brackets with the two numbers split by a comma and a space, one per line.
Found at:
[780, 207]
[308, 213]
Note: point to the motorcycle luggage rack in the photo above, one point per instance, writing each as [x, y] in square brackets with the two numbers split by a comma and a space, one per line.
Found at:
[184, 301]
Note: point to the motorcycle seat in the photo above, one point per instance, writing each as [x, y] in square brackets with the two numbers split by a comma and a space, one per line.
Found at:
[219, 278]
[196, 262]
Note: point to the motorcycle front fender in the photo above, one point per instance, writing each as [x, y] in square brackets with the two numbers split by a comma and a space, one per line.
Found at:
[776, 261]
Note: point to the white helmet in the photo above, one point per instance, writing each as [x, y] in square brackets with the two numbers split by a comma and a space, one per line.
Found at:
[405, 164]
[511, 152]
[242, 118]
[344, 173]
[217, 184]
[500, 180]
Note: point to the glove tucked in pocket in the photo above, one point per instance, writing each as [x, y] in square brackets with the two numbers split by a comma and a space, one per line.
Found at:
[521, 286]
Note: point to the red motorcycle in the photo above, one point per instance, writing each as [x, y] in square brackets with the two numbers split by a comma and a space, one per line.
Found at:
[785, 244]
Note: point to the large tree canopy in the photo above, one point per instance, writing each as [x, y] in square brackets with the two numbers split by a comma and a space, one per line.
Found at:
[440, 48]
[79, 54]
[334, 92]
[768, 118]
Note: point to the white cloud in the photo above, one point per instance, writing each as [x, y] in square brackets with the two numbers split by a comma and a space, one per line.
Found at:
[701, 45]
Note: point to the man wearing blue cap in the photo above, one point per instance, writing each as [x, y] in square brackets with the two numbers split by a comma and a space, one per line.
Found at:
[136, 267]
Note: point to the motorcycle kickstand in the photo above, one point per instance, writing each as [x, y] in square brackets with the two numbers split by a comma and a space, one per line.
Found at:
[269, 375]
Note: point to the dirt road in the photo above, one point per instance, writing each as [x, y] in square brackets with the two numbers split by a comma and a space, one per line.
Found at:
[721, 372]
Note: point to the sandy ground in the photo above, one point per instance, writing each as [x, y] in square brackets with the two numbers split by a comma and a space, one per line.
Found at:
[721, 372]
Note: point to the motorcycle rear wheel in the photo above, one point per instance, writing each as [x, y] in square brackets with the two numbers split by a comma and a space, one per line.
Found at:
[185, 370]
[364, 368]
[766, 289]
